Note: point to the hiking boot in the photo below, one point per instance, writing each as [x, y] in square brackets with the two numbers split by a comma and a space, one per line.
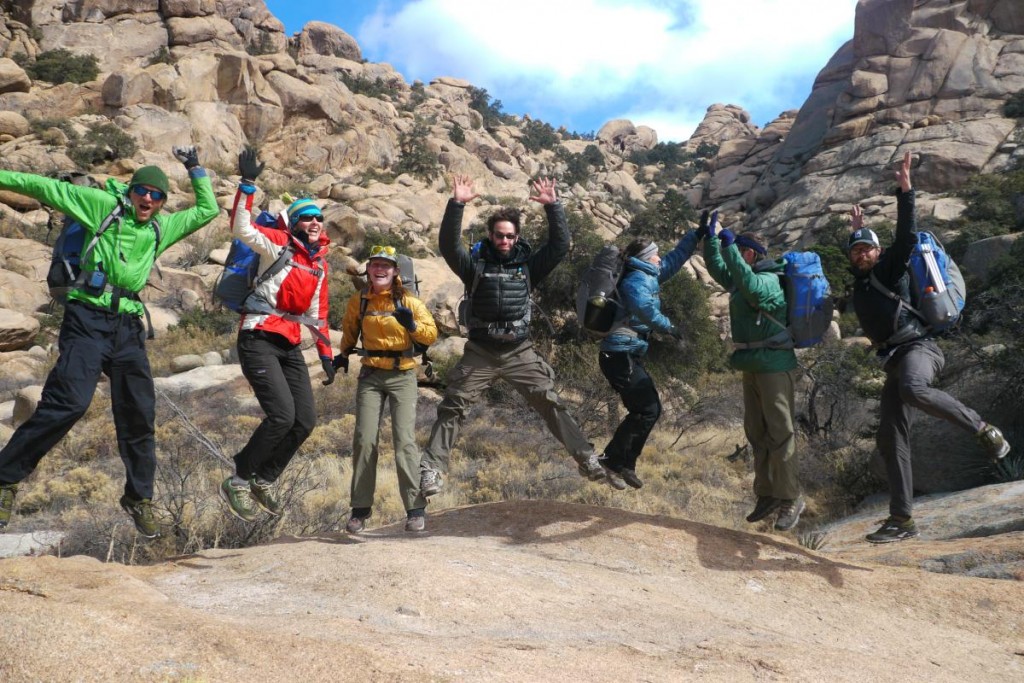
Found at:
[590, 468]
[356, 524]
[629, 476]
[993, 441]
[141, 512]
[789, 514]
[415, 523]
[765, 506]
[239, 500]
[7, 493]
[613, 478]
[262, 493]
[430, 482]
[893, 529]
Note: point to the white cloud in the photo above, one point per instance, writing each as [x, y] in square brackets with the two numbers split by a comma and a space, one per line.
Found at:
[660, 61]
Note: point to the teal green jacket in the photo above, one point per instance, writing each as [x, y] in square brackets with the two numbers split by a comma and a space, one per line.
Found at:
[750, 292]
[127, 250]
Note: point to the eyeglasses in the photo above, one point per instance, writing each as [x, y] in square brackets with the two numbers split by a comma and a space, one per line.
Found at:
[379, 249]
[498, 236]
[141, 191]
[309, 218]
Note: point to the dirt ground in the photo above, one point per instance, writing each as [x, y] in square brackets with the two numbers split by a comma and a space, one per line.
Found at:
[511, 591]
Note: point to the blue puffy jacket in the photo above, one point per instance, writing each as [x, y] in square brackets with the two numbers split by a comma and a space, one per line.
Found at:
[639, 292]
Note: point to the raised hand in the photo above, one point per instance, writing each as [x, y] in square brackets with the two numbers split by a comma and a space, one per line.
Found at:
[712, 224]
[727, 237]
[903, 173]
[462, 189]
[249, 166]
[856, 217]
[545, 191]
[405, 318]
[186, 155]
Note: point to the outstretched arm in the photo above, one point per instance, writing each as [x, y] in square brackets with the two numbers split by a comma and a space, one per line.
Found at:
[856, 218]
[903, 174]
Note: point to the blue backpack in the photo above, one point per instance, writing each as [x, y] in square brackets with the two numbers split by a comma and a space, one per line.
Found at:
[808, 304]
[240, 275]
[937, 289]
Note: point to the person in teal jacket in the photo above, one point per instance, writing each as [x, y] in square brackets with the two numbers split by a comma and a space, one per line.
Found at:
[769, 372]
[102, 331]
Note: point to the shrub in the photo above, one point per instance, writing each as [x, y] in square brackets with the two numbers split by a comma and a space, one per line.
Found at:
[491, 111]
[60, 66]
[456, 134]
[1014, 107]
[102, 142]
[416, 157]
[263, 45]
[360, 85]
[577, 166]
[664, 221]
[538, 136]
[417, 95]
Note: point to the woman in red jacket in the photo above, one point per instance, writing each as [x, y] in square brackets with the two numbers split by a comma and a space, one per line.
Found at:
[269, 339]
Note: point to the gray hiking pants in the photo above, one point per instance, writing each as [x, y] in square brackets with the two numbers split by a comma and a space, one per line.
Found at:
[482, 363]
[909, 372]
[398, 388]
[768, 424]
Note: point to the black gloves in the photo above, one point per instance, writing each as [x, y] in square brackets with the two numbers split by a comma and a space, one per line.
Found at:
[186, 155]
[341, 361]
[404, 317]
[249, 166]
[328, 366]
[702, 227]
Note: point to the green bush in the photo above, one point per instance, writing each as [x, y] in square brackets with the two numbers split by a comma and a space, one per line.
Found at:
[60, 66]
[416, 157]
[417, 96]
[480, 101]
[1014, 107]
[102, 142]
[456, 134]
[360, 85]
[664, 221]
[577, 166]
[538, 136]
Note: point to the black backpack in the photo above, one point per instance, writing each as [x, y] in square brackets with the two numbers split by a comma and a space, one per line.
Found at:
[598, 307]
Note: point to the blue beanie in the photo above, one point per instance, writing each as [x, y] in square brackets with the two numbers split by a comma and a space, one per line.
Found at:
[751, 242]
[301, 207]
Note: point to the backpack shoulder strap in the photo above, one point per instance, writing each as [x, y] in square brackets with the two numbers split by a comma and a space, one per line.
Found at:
[877, 284]
[478, 271]
[279, 263]
[114, 215]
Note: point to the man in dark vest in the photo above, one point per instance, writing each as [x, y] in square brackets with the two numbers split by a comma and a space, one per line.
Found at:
[910, 356]
[498, 278]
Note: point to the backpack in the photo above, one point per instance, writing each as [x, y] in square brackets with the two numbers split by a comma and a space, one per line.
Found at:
[70, 250]
[937, 288]
[808, 304]
[240, 276]
[411, 283]
[598, 308]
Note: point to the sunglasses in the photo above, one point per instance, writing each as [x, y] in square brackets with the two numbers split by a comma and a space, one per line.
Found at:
[309, 218]
[379, 249]
[500, 236]
[141, 191]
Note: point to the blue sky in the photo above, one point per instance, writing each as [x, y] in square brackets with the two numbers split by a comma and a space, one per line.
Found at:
[581, 63]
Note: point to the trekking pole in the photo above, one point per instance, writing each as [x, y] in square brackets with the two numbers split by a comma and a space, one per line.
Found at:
[195, 431]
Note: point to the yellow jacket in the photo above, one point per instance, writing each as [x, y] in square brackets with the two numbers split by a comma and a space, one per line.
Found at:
[382, 332]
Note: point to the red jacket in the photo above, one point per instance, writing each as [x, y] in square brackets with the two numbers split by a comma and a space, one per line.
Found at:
[297, 294]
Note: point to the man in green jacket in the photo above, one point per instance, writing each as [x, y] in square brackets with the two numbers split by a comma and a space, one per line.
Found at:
[769, 373]
[103, 329]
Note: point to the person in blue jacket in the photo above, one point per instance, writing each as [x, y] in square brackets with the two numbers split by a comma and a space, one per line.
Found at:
[625, 346]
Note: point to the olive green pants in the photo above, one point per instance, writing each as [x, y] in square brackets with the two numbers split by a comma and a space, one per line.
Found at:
[519, 365]
[768, 423]
[398, 388]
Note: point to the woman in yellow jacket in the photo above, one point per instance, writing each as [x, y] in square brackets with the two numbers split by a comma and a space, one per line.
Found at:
[389, 320]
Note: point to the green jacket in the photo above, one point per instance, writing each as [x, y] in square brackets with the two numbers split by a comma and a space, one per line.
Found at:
[750, 292]
[127, 251]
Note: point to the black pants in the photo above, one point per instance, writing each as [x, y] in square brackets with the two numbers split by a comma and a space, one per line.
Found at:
[640, 397]
[909, 372]
[279, 377]
[93, 341]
